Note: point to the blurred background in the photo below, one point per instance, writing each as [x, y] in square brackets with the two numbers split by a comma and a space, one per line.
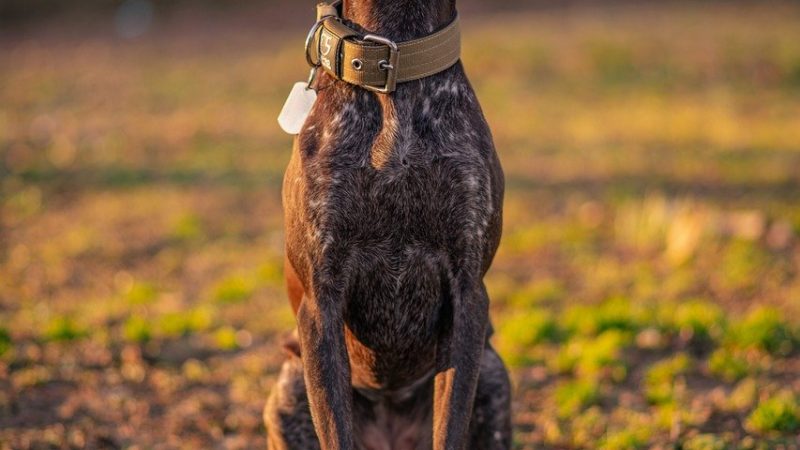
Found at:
[646, 292]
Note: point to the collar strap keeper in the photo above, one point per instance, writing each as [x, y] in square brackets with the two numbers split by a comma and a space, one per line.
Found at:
[374, 62]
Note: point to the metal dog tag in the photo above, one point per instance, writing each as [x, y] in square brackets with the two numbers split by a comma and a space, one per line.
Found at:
[297, 106]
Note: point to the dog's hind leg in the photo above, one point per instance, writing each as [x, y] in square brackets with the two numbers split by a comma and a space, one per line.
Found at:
[287, 416]
[490, 425]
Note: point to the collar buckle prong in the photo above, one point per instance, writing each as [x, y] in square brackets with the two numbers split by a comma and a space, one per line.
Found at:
[389, 66]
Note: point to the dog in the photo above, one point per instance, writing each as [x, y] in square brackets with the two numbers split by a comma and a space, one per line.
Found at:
[393, 214]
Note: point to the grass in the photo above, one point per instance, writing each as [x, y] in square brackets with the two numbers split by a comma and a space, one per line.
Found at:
[705, 442]
[64, 329]
[661, 378]
[698, 320]
[764, 329]
[645, 292]
[573, 397]
[522, 330]
[729, 365]
[778, 414]
[5, 341]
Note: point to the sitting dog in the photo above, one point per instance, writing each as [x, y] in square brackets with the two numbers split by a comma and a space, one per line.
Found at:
[393, 211]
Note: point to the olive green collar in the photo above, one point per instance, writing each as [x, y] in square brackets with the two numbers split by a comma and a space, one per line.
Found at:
[374, 62]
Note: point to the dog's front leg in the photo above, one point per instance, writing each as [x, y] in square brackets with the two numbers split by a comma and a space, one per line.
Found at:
[320, 325]
[458, 357]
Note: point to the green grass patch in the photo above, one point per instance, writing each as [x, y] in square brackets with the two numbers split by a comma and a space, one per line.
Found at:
[573, 397]
[188, 228]
[614, 314]
[64, 329]
[763, 329]
[225, 338]
[595, 357]
[780, 413]
[537, 293]
[178, 324]
[629, 439]
[521, 330]
[137, 329]
[742, 265]
[744, 395]
[234, 289]
[729, 364]
[699, 319]
[586, 427]
[271, 273]
[705, 441]
[6, 343]
[661, 378]
[141, 294]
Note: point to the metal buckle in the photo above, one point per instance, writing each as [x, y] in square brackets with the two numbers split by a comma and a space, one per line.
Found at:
[390, 66]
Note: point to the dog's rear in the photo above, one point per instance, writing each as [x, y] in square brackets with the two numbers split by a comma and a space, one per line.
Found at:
[393, 215]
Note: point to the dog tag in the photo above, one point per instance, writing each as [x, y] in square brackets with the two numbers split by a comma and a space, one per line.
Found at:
[296, 109]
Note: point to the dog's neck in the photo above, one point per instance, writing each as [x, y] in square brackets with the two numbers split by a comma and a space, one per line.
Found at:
[400, 20]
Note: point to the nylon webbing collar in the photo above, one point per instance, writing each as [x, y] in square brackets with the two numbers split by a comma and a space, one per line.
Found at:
[374, 62]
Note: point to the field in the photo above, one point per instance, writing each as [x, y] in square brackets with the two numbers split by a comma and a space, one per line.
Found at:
[646, 293]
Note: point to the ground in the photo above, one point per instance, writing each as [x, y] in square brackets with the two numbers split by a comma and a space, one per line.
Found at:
[646, 292]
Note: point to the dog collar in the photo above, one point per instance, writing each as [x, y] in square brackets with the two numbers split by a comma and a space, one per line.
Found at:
[375, 62]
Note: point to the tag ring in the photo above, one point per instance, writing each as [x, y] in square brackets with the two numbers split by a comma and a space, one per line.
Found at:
[311, 33]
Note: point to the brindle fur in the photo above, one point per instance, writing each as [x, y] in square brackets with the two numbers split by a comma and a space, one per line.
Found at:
[393, 208]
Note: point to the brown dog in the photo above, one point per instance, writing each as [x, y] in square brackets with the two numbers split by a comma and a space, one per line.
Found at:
[393, 209]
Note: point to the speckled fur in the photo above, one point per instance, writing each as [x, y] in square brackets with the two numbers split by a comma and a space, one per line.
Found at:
[393, 210]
